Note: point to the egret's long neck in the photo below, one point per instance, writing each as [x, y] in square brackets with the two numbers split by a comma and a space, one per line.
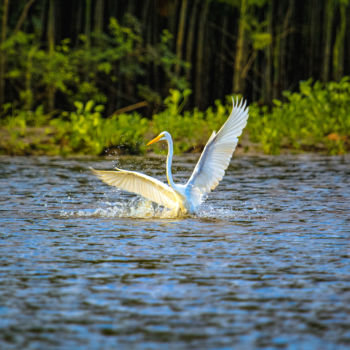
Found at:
[169, 161]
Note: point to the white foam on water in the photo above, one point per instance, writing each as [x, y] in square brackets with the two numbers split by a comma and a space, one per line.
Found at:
[137, 208]
[143, 209]
[243, 211]
[210, 212]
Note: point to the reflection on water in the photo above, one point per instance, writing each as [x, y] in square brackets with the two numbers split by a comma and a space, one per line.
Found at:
[265, 264]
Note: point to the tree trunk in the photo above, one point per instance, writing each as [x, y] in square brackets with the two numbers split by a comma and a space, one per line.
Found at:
[338, 50]
[172, 18]
[239, 59]
[314, 28]
[267, 79]
[276, 66]
[221, 60]
[329, 14]
[157, 80]
[279, 83]
[88, 22]
[2, 53]
[180, 34]
[98, 25]
[190, 38]
[23, 15]
[28, 96]
[200, 87]
[51, 47]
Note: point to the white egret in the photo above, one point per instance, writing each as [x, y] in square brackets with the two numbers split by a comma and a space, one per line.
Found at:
[207, 174]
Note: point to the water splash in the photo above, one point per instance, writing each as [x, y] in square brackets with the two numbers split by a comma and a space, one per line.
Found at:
[208, 211]
[141, 208]
[137, 208]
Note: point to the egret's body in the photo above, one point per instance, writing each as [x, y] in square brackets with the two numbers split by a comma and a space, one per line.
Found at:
[209, 171]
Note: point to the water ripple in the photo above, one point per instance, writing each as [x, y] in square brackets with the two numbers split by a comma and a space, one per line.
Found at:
[264, 264]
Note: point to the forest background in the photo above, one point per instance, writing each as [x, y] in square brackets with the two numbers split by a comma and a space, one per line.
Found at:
[93, 76]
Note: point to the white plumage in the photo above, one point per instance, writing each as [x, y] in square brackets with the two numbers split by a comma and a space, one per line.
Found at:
[207, 174]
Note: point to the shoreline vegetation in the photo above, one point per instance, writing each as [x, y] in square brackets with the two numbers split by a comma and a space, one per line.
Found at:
[111, 88]
[314, 119]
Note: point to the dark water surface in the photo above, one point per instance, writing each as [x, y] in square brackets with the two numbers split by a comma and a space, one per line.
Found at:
[265, 265]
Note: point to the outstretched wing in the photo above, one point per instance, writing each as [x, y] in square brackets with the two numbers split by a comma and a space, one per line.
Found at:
[218, 151]
[146, 186]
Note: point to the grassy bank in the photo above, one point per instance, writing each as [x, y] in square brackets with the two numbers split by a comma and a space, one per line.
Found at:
[316, 118]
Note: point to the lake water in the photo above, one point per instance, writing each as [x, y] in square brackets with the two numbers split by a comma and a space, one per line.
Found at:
[264, 265]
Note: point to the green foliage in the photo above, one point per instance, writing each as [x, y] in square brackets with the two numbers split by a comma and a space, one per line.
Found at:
[82, 131]
[163, 57]
[126, 132]
[32, 71]
[316, 118]
[86, 131]
[26, 132]
[190, 129]
[115, 57]
[113, 66]
[86, 82]
[261, 40]
[182, 127]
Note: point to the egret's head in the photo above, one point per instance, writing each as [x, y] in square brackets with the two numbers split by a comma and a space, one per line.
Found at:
[160, 137]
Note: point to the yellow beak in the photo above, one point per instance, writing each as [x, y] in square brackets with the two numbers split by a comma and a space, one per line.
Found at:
[156, 139]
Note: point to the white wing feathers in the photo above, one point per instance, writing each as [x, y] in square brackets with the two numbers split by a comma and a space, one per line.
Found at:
[218, 151]
[141, 184]
[207, 174]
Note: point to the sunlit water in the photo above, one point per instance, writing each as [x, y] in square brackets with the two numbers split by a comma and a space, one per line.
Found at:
[265, 264]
